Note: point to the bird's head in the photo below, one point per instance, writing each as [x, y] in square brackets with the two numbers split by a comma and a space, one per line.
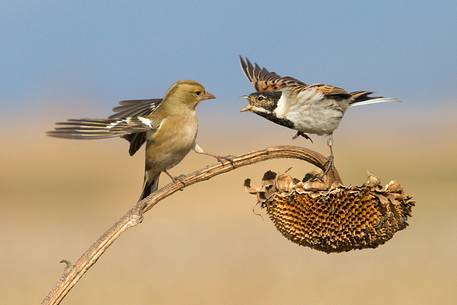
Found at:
[262, 102]
[189, 92]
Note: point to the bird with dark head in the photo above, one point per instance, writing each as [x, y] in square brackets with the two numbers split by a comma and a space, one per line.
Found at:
[264, 104]
[262, 101]
[314, 109]
[168, 126]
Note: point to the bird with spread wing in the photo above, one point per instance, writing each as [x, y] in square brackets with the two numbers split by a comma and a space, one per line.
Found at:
[167, 126]
[306, 108]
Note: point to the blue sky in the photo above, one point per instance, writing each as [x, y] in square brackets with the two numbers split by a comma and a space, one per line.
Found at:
[112, 50]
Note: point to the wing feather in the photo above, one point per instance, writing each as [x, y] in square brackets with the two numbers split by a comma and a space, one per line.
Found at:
[264, 80]
[331, 91]
[89, 129]
[129, 121]
[130, 108]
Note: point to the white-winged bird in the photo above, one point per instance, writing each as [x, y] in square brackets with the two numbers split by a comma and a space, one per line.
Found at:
[314, 109]
[168, 126]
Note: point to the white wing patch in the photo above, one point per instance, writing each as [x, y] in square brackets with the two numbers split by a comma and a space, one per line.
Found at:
[145, 121]
[114, 124]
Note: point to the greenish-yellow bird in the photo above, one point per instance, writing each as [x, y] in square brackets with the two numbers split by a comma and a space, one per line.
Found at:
[168, 126]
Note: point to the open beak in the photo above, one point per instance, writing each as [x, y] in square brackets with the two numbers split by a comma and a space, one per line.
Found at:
[247, 108]
[207, 96]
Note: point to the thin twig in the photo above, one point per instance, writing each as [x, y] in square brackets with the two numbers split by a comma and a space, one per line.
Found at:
[134, 216]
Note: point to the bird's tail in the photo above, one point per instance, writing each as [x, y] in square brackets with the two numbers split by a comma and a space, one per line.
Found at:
[359, 98]
[151, 184]
[88, 129]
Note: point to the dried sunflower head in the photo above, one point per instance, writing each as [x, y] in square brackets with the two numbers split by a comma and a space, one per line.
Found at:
[337, 218]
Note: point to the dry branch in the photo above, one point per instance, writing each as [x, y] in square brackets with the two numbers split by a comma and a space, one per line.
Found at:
[134, 216]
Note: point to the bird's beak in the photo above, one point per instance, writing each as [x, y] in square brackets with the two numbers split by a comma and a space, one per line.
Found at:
[207, 96]
[247, 108]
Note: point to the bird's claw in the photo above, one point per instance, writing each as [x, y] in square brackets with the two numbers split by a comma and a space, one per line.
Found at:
[302, 134]
[179, 179]
[320, 175]
[228, 158]
[328, 165]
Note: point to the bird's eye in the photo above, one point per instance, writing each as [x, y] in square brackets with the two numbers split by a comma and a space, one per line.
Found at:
[198, 93]
[260, 98]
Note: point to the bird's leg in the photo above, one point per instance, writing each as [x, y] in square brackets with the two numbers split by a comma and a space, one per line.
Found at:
[302, 134]
[175, 179]
[330, 159]
[221, 159]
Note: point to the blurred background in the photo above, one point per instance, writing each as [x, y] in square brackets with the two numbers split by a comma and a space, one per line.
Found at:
[71, 59]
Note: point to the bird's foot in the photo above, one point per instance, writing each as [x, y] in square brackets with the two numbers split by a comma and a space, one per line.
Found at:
[223, 159]
[302, 134]
[177, 179]
[328, 165]
[320, 175]
[228, 158]
[180, 179]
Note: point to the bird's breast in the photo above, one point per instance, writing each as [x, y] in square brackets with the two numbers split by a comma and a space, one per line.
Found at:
[172, 141]
[319, 117]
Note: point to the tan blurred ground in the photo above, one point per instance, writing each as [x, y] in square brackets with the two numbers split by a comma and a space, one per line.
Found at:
[204, 245]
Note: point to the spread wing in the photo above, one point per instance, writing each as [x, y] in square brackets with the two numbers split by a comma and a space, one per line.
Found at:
[128, 108]
[129, 121]
[93, 129]
[264, 80]
[131, 108]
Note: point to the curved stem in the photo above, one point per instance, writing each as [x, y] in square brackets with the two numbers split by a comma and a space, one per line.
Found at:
[134, 216]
